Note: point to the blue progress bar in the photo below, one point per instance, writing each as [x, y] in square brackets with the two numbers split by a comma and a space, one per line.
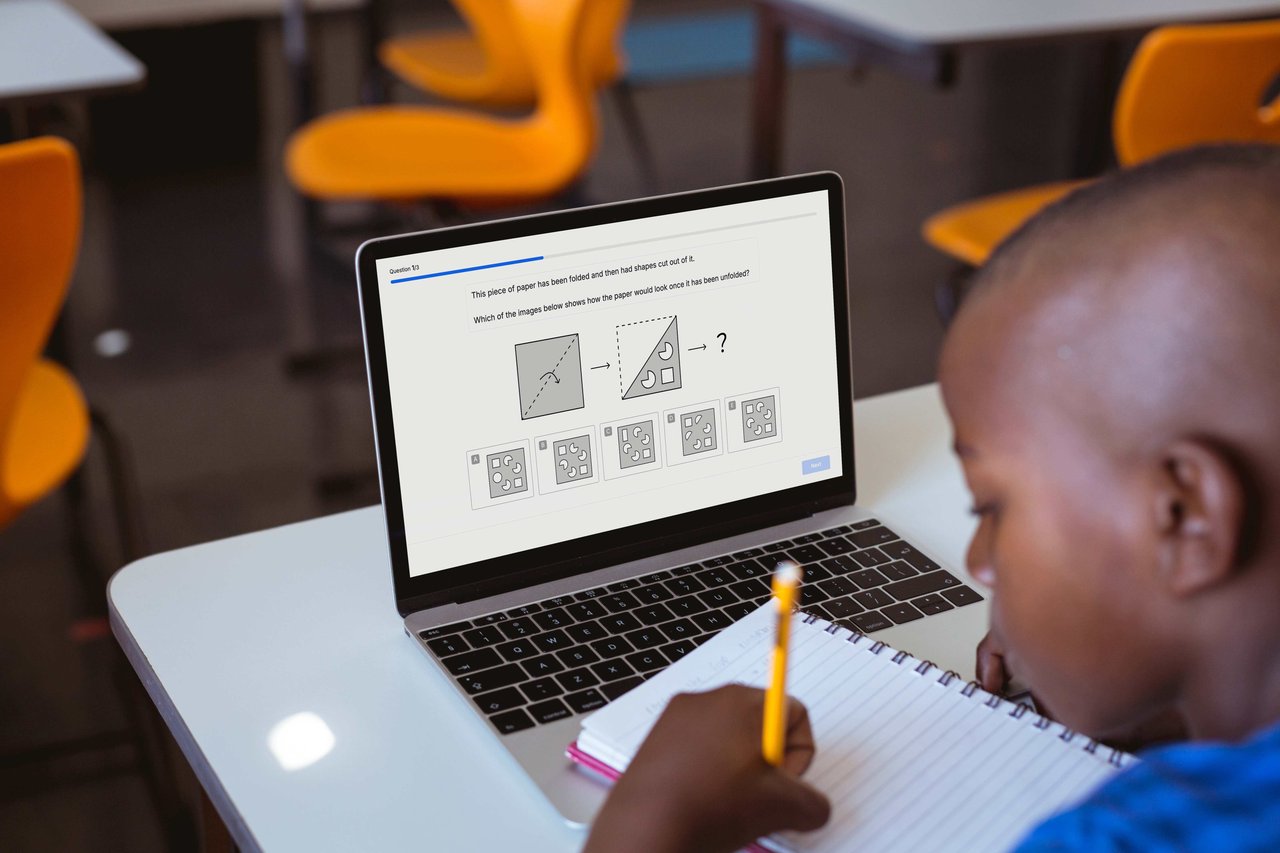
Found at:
[466, 269]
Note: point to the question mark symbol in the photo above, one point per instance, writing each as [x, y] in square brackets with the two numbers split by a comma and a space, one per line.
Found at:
[723, 337]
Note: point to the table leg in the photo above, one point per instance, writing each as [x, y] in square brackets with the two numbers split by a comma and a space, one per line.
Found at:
[767, 94]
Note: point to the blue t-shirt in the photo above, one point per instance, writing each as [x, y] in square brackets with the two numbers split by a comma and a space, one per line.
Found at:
[1192, 796]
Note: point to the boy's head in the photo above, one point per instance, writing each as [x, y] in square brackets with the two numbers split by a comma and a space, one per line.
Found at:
[1114, 384]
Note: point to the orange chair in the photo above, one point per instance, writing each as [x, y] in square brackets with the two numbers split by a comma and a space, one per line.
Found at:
[406, 153]
[484, 65]
[1185, 85]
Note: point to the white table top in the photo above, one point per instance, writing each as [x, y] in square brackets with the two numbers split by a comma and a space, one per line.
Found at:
[129, 14]
[929, 23]
[234, 636]
[47, 50]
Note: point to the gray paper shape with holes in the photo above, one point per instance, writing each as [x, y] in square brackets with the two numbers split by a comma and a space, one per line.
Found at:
[637, 445]
[661, 370]
[572, 458]
[697, 431]
[759, 418]
[507, 472]
[549, 375]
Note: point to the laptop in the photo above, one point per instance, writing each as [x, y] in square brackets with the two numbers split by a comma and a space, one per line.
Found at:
[598, 432]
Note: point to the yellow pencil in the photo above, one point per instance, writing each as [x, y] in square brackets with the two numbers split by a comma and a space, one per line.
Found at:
[786, 583]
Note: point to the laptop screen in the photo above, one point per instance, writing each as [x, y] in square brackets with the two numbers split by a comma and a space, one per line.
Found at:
[553, 386]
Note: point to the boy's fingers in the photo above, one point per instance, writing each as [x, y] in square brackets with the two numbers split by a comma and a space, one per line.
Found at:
[799, 745]
[793, 804]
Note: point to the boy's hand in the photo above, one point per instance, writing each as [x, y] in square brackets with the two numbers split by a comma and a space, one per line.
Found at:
[700, 783]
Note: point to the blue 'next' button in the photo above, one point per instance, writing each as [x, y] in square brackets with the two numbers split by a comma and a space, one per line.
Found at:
[813, 466]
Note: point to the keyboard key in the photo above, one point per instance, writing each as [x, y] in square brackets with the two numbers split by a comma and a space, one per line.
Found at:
[811, 595]
[524, 610]
[685, 585]
[897, 570]
[646, 638]
[517, 650]
[620, 601]
[517, 628]
[919, 585]
[716, 577]
[614, 689]
[612, 670]
[961, 595]
[839, 608]
[775, 547]
[686, 606]
[492, 679]
[675, 651]
[558, 601]
[588, 594]
[549, 711]
[542, 688]
[712, 620]
[871, 557]
[807, 538]
[629, 583]
[648, 660]
[837, 531]
[449, 645]
[653, 614]
[587, 700]
[934, 603]
[836, 546]
[444, 630]
[818, 610]
[751, 590]
[491, 619]
[540, 666]
[586, 632]
[584, 610]
[748, 554]
[719, 597]
[653, 594]
[742, 608]
[838, 586]
[863, 525]
[654, 578]
[499, 700]
[902, 612]
[815, 572]
[549, 619]
[840, 565]
[577, 679]
[867, 578]
[577, 656]
[748, 569]
[486, 636]
[903, 551]
[686, 570]
[872, 536]
[717, 561]
[611, 647]
[681, 629]
[872, 598]
[619, 623]
[806, 554]
[472, 661]
[868, 622]
[512, 721]
[552, 641]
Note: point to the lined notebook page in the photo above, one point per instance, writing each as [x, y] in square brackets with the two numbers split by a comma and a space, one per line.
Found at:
[909, 762]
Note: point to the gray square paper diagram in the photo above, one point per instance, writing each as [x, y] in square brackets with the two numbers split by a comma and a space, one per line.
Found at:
[549, 376]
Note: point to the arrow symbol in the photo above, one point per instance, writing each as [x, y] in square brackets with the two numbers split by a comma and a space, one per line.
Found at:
[691, 349]
[598, 366]
[552, 375]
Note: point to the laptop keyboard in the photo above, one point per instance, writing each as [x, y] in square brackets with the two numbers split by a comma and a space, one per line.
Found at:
[574, 653]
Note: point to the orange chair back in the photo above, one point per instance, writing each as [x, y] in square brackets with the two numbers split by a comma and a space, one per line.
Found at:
[506, 68]
[1188, 85]
[40, 204]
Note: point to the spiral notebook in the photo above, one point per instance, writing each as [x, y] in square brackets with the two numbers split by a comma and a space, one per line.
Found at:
[912, 758]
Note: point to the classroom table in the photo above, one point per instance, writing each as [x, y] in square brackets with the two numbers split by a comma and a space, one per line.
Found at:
[921, 38]
[48, 51]
[233, 637]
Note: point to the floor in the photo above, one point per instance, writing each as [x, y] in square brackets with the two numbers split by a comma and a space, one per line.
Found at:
[194, 293]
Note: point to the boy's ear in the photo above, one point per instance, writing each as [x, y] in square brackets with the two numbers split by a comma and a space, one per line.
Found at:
[1200, 516]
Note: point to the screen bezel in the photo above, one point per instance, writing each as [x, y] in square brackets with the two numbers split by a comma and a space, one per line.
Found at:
[599, 550]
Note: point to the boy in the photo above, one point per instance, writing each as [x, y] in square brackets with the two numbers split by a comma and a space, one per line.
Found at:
[1112, 386]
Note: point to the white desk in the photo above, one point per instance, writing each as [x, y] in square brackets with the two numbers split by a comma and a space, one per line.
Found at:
[233, 636]
[49, 51]
[920, 36]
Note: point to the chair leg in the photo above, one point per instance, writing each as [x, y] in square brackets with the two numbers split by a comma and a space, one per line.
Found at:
[624, 98]
[124, 489]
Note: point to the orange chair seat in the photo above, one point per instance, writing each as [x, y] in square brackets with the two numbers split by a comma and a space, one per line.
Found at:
[970, 231]
[46, 439]
[385, 152]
